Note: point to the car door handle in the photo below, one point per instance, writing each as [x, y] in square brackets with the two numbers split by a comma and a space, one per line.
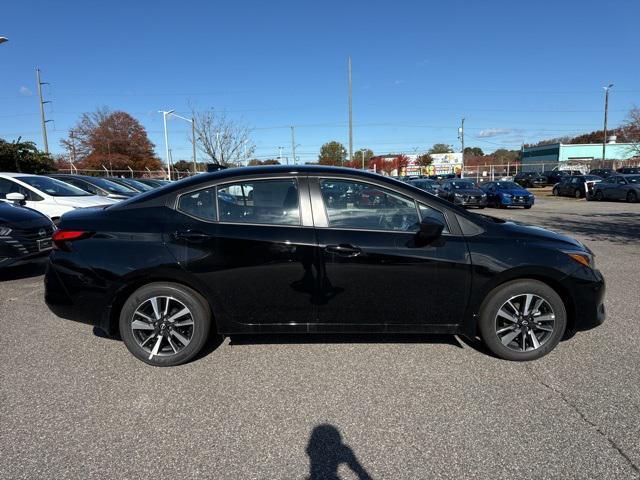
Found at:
[191, 235]
[343, 250]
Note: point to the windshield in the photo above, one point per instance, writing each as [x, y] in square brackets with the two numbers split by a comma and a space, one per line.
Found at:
[53, 187]
[459, 185]
[633, 179]
[136, 184]
[111, 187]
[508, 185]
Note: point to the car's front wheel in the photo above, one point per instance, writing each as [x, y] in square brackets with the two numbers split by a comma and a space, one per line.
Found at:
[632, 197]
[599, 196]
[577, 193]
[522, 320]
[165, 324]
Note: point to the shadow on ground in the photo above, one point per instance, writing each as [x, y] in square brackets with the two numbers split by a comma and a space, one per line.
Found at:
[27, 270]
[327, 452]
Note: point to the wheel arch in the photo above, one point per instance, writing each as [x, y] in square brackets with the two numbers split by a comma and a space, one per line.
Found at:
[125, 292]
[548, 277]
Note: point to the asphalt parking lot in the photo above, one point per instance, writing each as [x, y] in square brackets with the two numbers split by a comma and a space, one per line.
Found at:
[76, 405]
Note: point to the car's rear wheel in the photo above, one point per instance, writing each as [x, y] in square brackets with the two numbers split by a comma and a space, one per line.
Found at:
[522, 320]
[598, 195]
[554, 191]
[165, 324]
[632, 197]
[577, 193]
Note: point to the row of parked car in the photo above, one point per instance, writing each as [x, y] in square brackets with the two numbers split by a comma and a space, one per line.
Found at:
[31, 206]
[598, 184]
[467, 193]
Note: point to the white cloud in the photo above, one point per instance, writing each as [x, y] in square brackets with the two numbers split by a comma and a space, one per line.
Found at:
[494, 132]
[25, 91]
[398, 82]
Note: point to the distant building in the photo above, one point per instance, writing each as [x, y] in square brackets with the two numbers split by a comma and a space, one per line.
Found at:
[584, 155]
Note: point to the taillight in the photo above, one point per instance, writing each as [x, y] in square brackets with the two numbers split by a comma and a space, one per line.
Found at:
[60, 237]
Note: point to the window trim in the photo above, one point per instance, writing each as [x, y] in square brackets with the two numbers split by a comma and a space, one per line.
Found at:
[319, 198]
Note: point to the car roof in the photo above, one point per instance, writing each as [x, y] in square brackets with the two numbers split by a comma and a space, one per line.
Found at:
[17, 174]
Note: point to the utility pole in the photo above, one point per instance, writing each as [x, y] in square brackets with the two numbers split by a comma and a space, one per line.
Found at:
[293, 144]
[73, 151]
[461, 137]
[280, 154]
[193, 143]
[350, 115]
[42, 118]
[606, 111]
[166, 138]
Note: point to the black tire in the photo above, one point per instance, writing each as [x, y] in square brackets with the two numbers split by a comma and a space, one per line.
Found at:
[632, 197]
[498, 297]
[577, 193]
[481, 208]
[598, 196]
[199, 312]
[527, 207]
[554, 192]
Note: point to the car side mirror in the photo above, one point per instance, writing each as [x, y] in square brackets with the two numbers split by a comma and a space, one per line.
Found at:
[430, 229]
[17, 198]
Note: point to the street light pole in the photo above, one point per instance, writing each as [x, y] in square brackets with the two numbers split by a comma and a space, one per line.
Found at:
[192, 121]
[461, 137]
[606, 111]
[166, 138]
[350, 115]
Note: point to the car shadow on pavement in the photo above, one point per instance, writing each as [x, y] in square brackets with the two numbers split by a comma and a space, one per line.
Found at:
[337, 338]
[621, 228]
[27, 270]
[327, 452]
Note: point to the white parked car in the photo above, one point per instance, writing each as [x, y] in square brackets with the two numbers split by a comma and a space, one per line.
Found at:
[47, 195]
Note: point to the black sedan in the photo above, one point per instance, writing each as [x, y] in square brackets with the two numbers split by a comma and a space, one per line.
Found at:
[463, 192]
[97, 185]
[24, 234]
[165, 269]
[153, 182]
[578, 186]
[131, 183]
[426, 184]
[530, 179]
[618, 187]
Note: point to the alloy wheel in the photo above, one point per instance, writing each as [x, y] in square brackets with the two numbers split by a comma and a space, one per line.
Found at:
[162, 326]
[525, 322]
[631, 197]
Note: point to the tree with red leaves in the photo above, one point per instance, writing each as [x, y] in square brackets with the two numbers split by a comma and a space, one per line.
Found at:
[389, 164]
[113, 139]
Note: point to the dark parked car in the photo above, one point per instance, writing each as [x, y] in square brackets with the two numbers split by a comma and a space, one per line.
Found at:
[463, 192]
[426, 184]
[24, 234]
[153, 182]
[507, 194]
[602, 172]
[96, 185]
[618, 187]
[628, 170]
[530, 179]
[578, 186]
[441, 177]
[131, 183]
[181, 264]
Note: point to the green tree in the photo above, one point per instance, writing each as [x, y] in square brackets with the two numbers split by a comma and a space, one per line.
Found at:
[356, 161]
[473, 151]
[502, 156]
[424, 160]
[332, 153]
[440, 148]
[24, 157]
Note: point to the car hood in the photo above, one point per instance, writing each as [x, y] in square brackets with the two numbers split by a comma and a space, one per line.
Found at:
[11, 214]
[469, 191]
[84, 201]
[530, 231]
[514, 191]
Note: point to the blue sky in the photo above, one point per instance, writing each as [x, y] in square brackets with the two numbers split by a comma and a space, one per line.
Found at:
[516, 71]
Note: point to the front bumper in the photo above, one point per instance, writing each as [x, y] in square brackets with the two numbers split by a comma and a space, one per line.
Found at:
[587, 287]
[517, 201]
[471, 201]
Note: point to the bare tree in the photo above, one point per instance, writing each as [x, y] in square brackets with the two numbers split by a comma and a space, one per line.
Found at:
[224, 140]
[631, 130]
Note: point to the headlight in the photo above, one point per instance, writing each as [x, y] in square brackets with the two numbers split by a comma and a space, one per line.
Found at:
[507, 195]
[458, 195]
[583, 258]
[483, 195]
[4, 231]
